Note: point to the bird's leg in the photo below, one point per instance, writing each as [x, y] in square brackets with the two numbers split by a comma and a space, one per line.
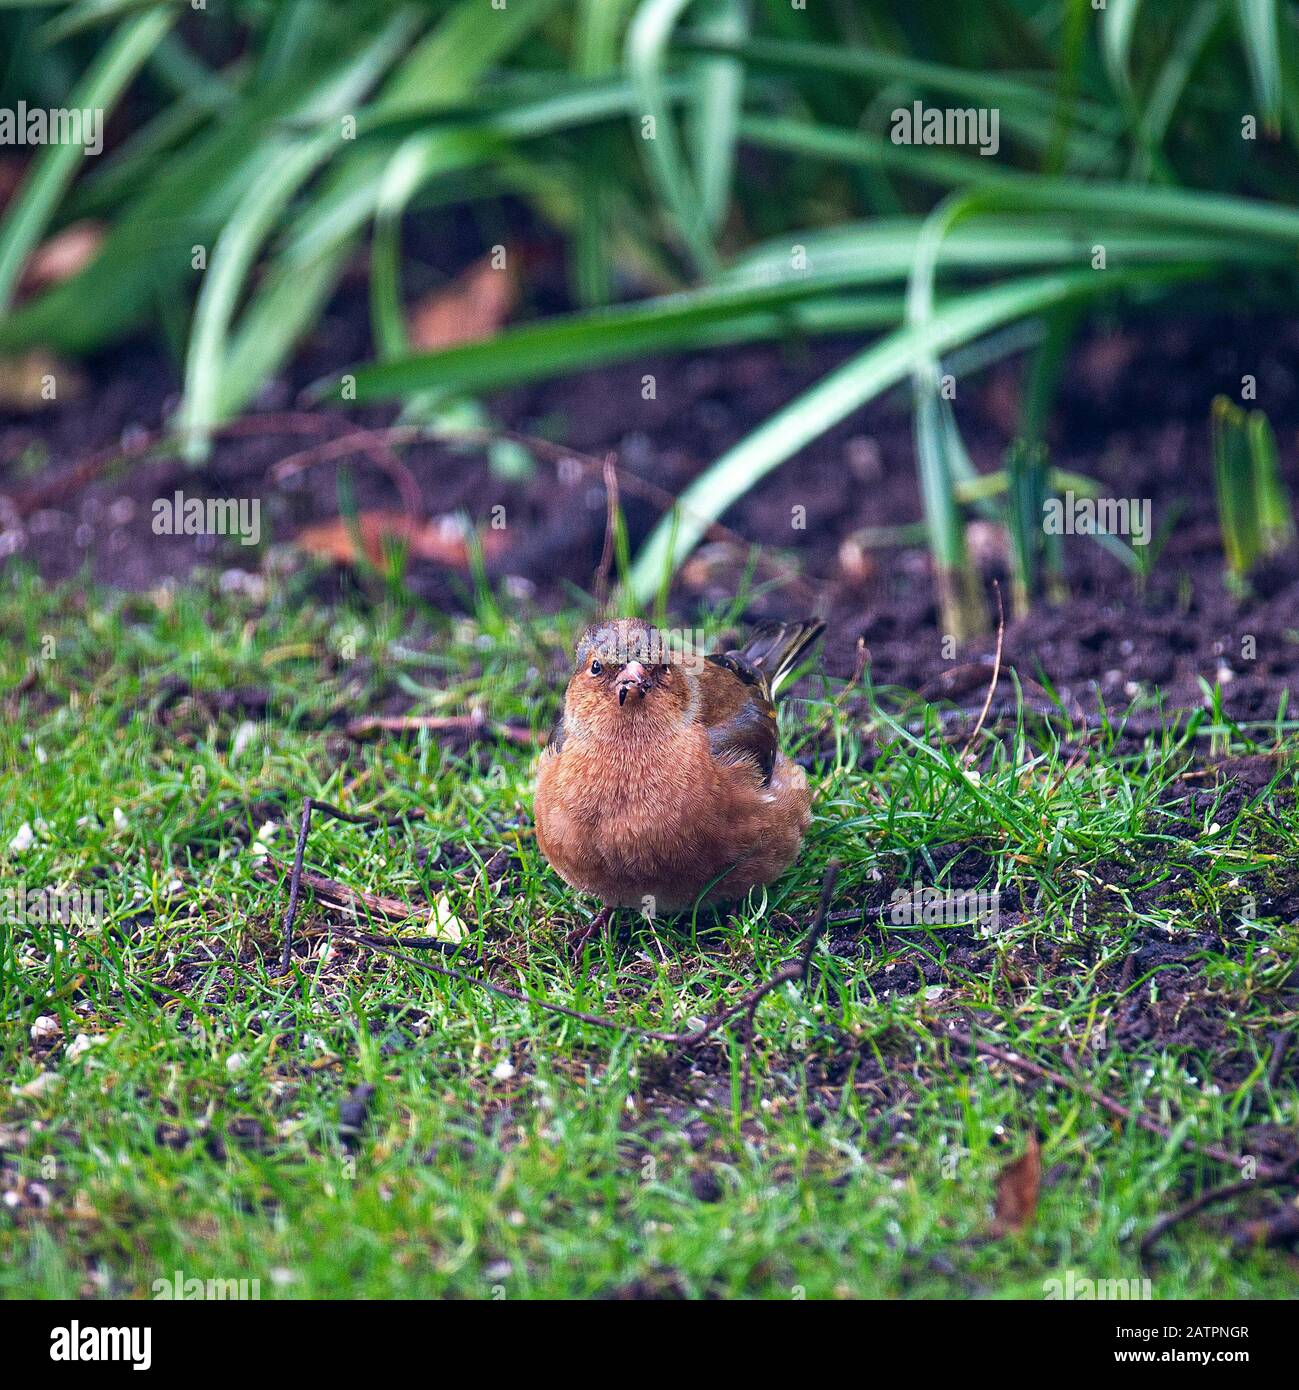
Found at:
[580, 935]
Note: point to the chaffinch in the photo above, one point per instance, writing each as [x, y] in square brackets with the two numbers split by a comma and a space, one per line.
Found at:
[664, 780]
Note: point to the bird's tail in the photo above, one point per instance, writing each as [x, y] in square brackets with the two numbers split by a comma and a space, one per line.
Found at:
[776, 648]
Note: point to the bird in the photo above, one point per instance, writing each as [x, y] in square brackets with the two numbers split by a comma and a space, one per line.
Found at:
[663, 783]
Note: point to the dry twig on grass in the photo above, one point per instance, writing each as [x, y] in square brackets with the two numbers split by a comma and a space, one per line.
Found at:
[1288, 1172]
[992, 684]
[795, 970]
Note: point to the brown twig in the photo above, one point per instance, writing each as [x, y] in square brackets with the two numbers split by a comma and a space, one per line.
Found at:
[102, 461]
[1095, 1094]
[996, 676]
[309, 805]
[860, 663]
[67, 484]
[797, 969]
[1281, 1041]
[369, 443]
[601, 585]
[1280, 1227]
[340, 895]
[1211, 1197]
[544, 448]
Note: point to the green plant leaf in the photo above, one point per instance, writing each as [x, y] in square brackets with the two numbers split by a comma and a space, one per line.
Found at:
[647, 43]
[1260, 30]
[27, 216]
[846, 389]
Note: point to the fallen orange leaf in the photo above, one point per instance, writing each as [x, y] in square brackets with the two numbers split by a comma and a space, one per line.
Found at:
[442, 540]
[1017, 1190]
[472, 307]
[63, 255]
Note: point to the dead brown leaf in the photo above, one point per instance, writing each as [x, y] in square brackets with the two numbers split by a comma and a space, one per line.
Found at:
[63, 255]
[37, 381]
[471, 308]
[443, 540]
[1017, 1191]
[11, 175]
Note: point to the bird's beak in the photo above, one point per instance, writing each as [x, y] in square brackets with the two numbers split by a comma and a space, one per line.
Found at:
[633, 676]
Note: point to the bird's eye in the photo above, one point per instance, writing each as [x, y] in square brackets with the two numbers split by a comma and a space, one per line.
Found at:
[596, 668]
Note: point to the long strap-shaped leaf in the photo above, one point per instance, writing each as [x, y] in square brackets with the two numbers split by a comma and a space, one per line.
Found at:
[1173, 207]
[859, 380]
[647, 41]
[1260, 29]
[290, 162]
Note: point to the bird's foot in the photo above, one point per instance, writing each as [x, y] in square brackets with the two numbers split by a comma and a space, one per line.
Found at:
[580, 935]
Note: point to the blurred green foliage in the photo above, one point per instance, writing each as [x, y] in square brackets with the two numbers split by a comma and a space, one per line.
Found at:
[728, 165]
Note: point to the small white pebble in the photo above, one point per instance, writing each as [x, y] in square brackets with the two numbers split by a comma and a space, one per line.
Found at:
[244, 735]
[23, 841]
[38, 1086]
[44, 1028]
[82, 1044]
[120, 821]
[446, 926]
[503, 1070]
[236, 1062]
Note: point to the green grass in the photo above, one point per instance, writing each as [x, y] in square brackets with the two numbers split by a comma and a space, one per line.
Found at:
[200, 1131]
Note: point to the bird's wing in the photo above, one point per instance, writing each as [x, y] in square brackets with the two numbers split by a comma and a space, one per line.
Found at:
[555, 743]
[736, 709]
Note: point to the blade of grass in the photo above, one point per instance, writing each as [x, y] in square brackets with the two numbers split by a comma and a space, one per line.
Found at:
[744, 304]
[993, 89]
[534, 352]
[1233, 476]
[596, 55]
[232, 260]
[1275, 517]
[1117, 29]
[1157, 110]
[962, 612]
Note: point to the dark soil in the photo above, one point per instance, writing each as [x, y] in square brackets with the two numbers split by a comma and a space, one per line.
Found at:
[1133, 413]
